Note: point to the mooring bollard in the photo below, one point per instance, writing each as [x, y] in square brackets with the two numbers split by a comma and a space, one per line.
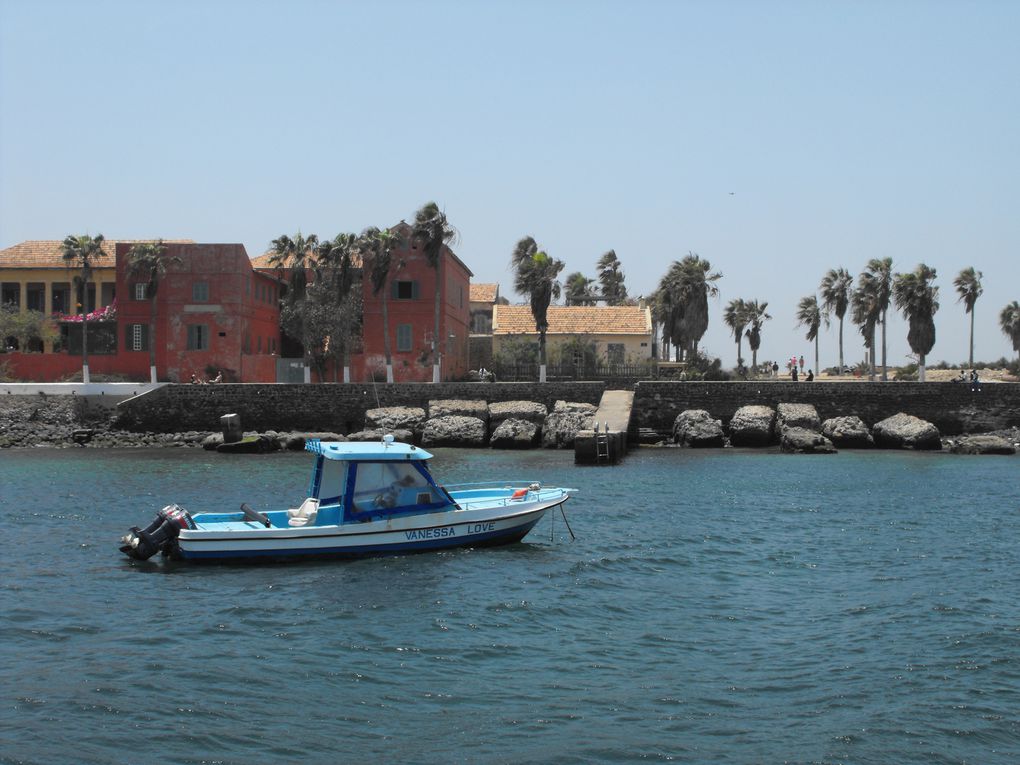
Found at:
[231, 425]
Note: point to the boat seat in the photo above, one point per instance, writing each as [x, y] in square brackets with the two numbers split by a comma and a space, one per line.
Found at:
[304, 515]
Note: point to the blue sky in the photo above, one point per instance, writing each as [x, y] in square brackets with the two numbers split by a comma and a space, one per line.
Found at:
[775, 139]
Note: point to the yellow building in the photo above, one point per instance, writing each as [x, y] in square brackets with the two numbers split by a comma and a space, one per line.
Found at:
[613, 334]
[34, 277]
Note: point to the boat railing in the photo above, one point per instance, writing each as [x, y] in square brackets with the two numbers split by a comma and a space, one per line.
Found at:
[534, 490]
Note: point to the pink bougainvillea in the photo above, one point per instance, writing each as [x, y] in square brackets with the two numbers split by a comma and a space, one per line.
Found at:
[108, 313]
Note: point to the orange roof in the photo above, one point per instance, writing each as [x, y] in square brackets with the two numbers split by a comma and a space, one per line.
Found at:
[573, 320]
[45, 253]
[262, 262]
[484, 293]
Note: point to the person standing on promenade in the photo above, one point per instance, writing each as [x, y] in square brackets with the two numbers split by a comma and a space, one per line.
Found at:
[793, 374]
[775, 369]
[802, 365]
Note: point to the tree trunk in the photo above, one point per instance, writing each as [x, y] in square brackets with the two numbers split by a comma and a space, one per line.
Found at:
[739, 360]
[972, 337]
[818, 369]
[435, 334]
[885, 374]
[920, 367]
[841, 345]
[152, 339]
[541, 356]
[84, 332]
[386, 334]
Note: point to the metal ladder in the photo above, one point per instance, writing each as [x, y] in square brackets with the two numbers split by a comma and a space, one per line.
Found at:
[601, 443]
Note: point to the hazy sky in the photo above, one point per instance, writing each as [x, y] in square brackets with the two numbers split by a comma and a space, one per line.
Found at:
[776, 139]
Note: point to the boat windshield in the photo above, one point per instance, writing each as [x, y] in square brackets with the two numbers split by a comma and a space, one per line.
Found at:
[388, 486]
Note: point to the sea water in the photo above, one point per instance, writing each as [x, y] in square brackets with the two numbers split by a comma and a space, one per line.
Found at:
[716, 606]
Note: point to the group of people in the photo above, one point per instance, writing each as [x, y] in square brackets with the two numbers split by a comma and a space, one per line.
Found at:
[195, 380]
[963, 376]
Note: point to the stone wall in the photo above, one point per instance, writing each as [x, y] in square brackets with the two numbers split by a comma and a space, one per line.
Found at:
[953, 408]
[177, 408]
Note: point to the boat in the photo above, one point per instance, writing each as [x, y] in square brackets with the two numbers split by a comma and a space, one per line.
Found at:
[363, 499]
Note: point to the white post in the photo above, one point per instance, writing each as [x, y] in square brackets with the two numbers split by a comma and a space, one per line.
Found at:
[389, 373]
[152, 375]
[85, 373]
[347, 374]
[541, 373]
[308, 374]
[435, 373]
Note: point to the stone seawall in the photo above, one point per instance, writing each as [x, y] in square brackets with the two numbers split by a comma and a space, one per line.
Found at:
[954, 408]
[341, 408]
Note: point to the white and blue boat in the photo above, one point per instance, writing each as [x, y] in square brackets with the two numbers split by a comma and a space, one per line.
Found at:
[363, 499]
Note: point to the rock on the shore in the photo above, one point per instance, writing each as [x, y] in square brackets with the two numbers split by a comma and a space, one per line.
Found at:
[982, 444]
[563, 423]
[904, 431]
[376, 434]
[752, 425]
[454, 430]
[514, 434]
[295, 441]
[697, 429]
[212, 442]
[393, 418]
[847, 432]
[459, 408]
[804, 441]
[517, 410]
[797, 416]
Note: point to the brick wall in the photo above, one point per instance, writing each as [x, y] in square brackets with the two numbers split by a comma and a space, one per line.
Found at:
[318, 407]
[952, 407]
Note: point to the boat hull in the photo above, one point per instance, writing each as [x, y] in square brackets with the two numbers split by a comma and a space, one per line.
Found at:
[359, 540]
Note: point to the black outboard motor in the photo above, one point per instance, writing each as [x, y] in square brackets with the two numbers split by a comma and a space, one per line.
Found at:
[158, 536]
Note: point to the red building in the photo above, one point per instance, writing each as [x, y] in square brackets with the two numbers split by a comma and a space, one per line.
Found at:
[214, 313]
[411, 294]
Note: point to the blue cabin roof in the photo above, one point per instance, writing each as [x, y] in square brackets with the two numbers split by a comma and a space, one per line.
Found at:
[374, 451]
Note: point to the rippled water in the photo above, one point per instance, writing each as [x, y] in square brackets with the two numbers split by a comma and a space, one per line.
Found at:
[716, 607]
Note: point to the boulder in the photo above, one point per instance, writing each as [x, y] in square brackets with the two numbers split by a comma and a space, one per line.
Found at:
[376, 434]
[904, 431]
[847, 433]
[804, 441]
[514, 434]
[752, 426]
[459, 408]
[295, 442]
[563, 423]
[212, 441]
[697, 429]
[391, 418]
[797, 416]
[982, 444]
[454, 430]
[517, 410]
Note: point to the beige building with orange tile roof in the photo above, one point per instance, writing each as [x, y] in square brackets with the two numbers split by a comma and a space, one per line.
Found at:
[620, 334]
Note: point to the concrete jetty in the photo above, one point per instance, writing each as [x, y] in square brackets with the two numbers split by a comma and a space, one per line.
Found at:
[606, 442]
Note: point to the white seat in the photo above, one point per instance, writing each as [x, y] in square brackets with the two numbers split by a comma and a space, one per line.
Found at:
[304, 515]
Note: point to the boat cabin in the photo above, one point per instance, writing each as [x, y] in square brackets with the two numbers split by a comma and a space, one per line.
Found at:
[361, 482]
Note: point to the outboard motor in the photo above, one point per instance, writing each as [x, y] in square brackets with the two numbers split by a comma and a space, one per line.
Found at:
[158, 536]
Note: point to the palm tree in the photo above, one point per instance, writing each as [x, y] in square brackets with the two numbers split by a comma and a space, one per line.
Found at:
[432, 231]
[683, 294]
[377, 248]
[1009, 320]
[880, 270]
[335, 258]
[295, 255]
[149, 261]
[535, 275]
[756, 317]
[968, 286]
[577, 289]
[81, 252]
[610, 276]
[810, 315]
[917, 299]
[735, 317]
[867, 312]
[835, 289]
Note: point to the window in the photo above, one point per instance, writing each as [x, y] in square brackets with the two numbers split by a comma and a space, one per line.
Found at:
[137, 337]
[140, 290]
[405, 290]
[198, 337]
[200, 292]
[380, 486]
[404, 338]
